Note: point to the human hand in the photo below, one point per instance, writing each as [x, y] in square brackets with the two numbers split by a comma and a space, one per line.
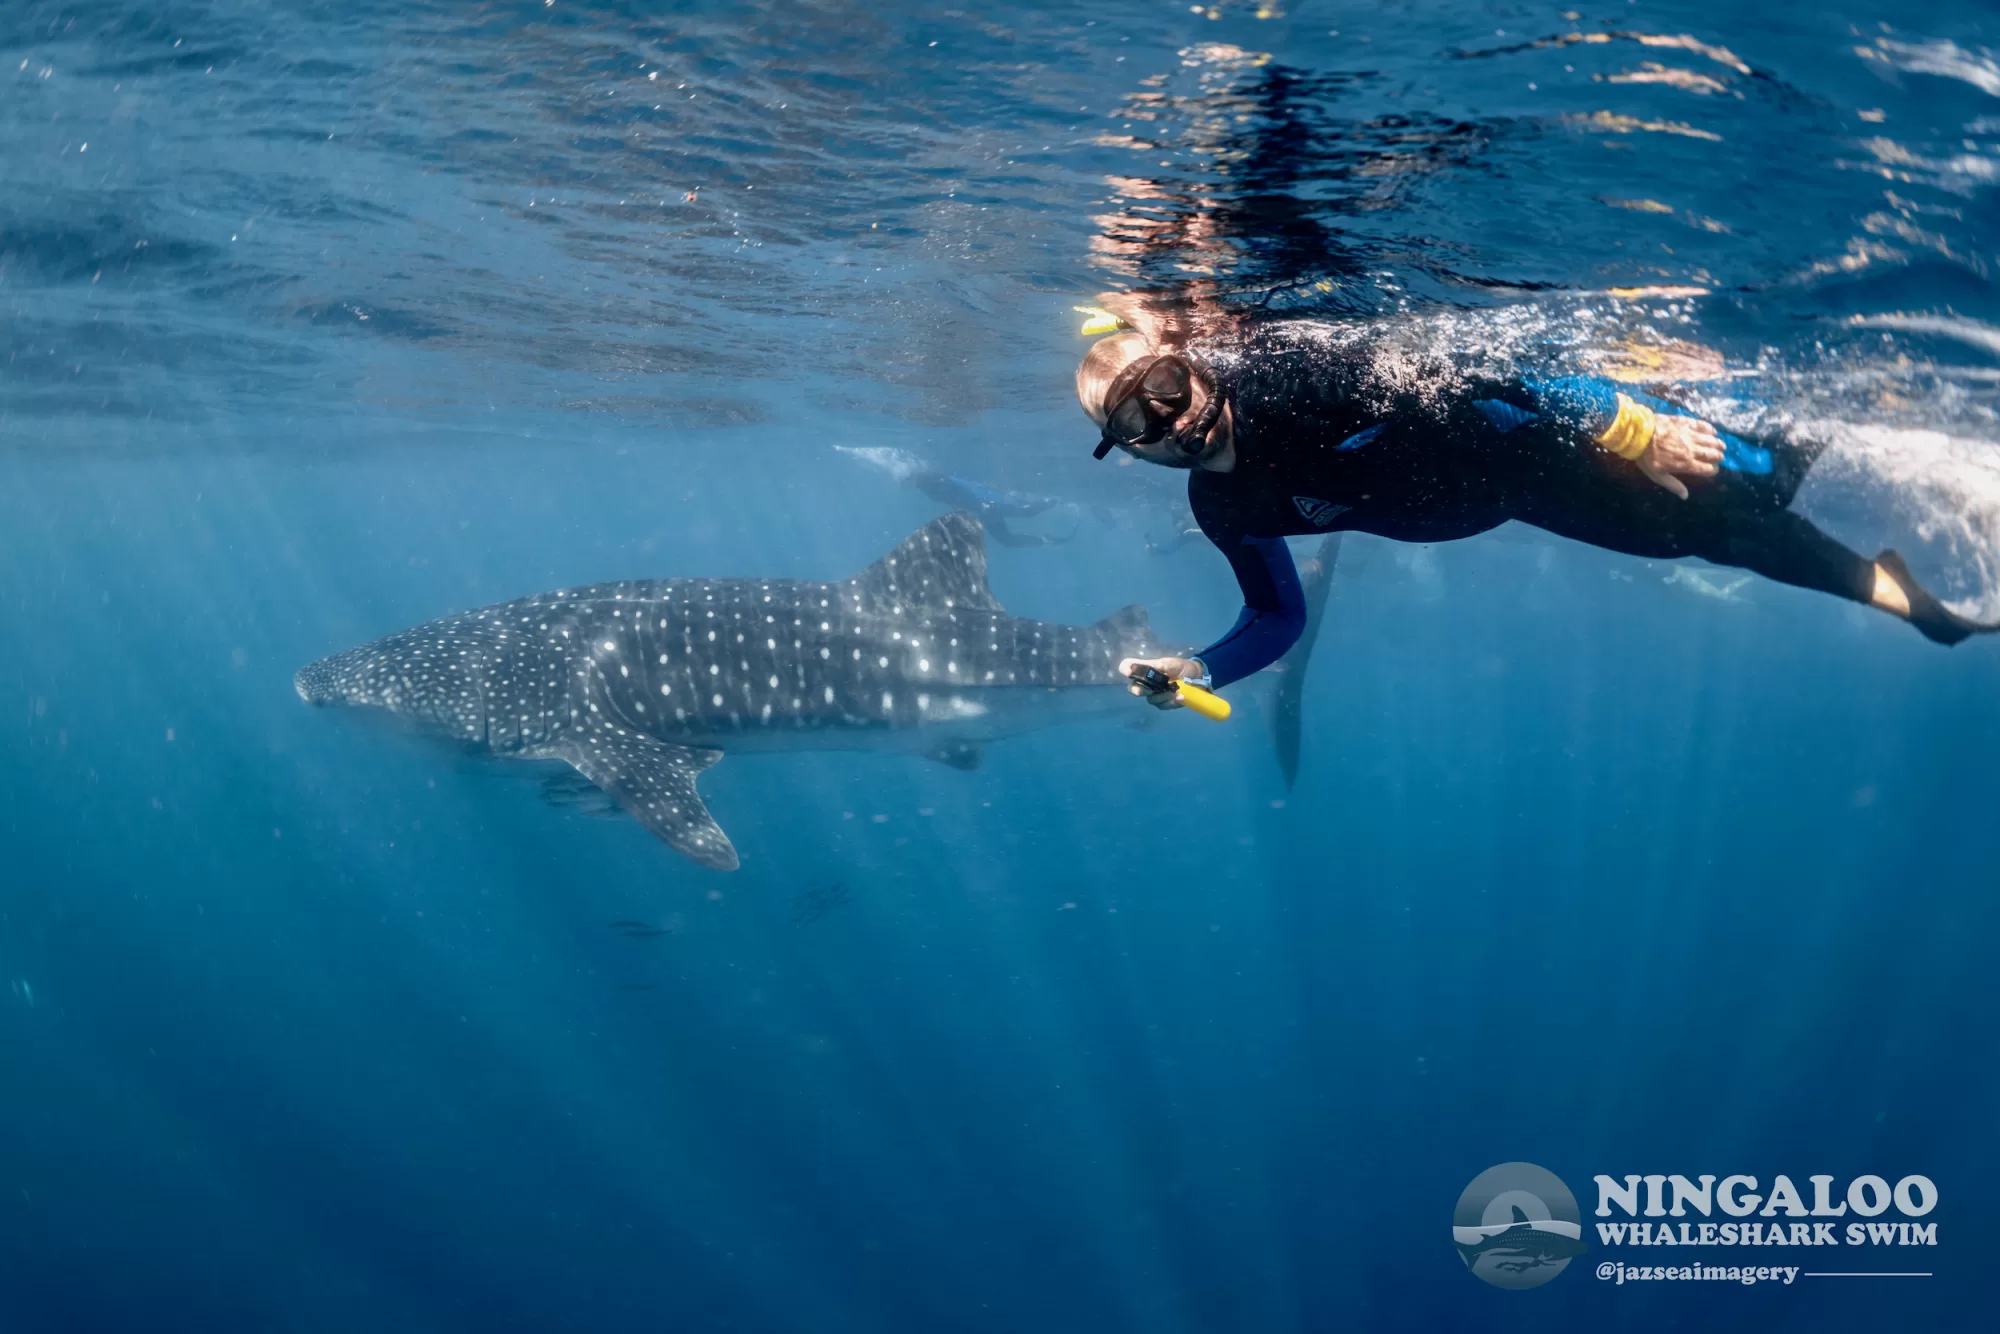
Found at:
[1177, 668]
[1686, 446]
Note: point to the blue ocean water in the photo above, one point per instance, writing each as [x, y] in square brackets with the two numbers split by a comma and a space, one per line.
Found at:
[321, 321]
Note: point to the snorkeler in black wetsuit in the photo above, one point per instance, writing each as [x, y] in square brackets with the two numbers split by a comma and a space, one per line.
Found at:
[1294, 431]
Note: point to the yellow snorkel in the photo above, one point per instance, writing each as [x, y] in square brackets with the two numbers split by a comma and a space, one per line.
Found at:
[1204, 702]
[1097, 320]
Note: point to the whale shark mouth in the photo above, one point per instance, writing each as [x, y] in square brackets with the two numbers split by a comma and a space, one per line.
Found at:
[316, 683]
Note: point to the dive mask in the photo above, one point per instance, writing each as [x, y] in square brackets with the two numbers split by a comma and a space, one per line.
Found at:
[1149, 396]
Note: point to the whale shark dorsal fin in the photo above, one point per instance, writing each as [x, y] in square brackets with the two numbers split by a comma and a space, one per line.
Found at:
[1131, 630]
[1519, 1215]
[653, 782]
[943, 562]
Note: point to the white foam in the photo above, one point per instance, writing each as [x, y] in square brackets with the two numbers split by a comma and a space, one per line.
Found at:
[1968, 331]
[1946, 488]
[1944, 58]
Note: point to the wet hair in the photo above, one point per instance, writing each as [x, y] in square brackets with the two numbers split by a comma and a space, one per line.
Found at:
[1107, 356]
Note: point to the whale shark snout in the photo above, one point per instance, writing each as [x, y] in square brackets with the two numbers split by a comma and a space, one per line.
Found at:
[316, 683]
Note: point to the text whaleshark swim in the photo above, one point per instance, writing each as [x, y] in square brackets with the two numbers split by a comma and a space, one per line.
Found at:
[642, 685]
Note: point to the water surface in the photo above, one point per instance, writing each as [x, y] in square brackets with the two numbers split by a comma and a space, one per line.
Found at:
[320, 321]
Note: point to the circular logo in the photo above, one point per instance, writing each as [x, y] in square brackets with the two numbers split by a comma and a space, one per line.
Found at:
[1517, 1226]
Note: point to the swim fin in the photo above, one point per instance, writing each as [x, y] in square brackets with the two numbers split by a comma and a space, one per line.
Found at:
[1287, 716]
[1937, 622]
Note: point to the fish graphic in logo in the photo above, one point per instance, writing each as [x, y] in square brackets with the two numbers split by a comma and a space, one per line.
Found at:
[1517, 1226]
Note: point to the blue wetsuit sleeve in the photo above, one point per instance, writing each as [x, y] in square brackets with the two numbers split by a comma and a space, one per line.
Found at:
[1591, 404]
[1583, 401]
[1274, 610]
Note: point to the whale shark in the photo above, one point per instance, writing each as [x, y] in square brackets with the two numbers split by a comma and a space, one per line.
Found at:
[640, 686]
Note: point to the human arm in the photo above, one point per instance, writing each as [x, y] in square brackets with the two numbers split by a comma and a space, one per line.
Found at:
[1663, 444]
[1273, 616]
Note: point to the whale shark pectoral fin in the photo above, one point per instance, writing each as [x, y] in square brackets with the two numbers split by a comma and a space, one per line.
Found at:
[653, 782]
[942, 563]
[964, 755]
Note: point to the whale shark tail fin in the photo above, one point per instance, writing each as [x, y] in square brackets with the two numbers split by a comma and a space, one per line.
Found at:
[942, 564]
[1287, 714]
[1131, 631]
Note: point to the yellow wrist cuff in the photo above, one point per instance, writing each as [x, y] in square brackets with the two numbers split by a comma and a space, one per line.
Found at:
[1631, 430]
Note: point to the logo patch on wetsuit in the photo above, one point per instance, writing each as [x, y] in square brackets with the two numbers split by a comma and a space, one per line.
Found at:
[1321, 512]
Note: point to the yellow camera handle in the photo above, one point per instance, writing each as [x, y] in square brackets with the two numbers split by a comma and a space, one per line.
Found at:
[1204, 702]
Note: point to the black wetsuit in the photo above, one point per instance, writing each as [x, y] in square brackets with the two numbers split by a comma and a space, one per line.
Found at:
[1327, 441]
